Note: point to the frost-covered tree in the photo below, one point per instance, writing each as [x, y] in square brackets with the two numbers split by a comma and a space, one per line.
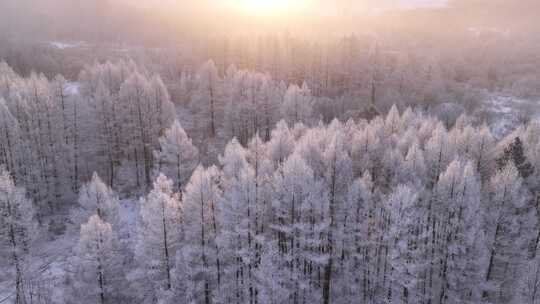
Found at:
[148, 110]
[393, 121]
[271, 277]
[301, 225]
[163, 111]
[281, 143]
[106, 122]
[17, 231]
[297, 105]
[134, 95]
[359, 240]
[159, 237]
[406, 256]
[207, 97]
[530, 283]
[460, 197]
[438, 153]
[11, 154]
[238, 219]
[177, 156]
[200, 249]
[337, 177]
[97, 274]
[507, 222]
[415, 165]
[96, 198]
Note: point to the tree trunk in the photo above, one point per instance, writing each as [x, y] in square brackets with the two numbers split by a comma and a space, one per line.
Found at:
[166, 247]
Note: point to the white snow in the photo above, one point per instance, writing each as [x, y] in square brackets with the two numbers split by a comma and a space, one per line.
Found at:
[66, 45]
[47, 267]
[73, 87]
[505, 112]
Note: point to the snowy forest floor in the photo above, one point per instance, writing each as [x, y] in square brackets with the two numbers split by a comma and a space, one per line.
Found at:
[505, 113]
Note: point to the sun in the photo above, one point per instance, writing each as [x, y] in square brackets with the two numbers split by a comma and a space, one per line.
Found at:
[270, 7]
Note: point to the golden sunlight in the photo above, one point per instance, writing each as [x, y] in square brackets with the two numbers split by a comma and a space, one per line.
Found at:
[269, 7]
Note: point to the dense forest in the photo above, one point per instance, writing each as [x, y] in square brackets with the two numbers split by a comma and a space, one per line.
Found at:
[263, 202]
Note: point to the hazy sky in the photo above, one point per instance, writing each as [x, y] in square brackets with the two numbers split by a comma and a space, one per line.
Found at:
[69, 17]
[356, 4]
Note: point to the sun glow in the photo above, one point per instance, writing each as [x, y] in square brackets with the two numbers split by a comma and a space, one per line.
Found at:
[269, 7]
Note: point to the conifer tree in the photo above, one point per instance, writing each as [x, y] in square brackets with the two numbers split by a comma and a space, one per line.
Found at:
[176, 157]
[97, 274]
[159, 237]
[17, 231]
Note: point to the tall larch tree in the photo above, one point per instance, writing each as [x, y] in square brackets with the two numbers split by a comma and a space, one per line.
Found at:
[159, 237]
[177, 157]
[97, 274]
[200, 248]
[207, 98]
[95, 197]
[238, 225]
[301, 224]
[506, 219]
[18, 229]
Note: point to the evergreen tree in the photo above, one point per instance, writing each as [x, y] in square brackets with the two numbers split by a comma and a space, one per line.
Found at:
[516, 154]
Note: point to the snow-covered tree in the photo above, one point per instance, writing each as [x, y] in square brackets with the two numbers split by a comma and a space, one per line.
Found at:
[530, 283]
[238, 235]
[438, 153]
[148, 110]
[207, 97]
[359, 240]
[163, 110]
[106, 122]
[177, 156]
[159, 237]
[281, 143]
[459, 193]
[507, 223]
[271, 277]
[10, 141]
[200, 249]
[301, 225]
[17, 231]
[415, 165]
[406, 256]
[297, 105]
[96, 198]
[97, 274]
